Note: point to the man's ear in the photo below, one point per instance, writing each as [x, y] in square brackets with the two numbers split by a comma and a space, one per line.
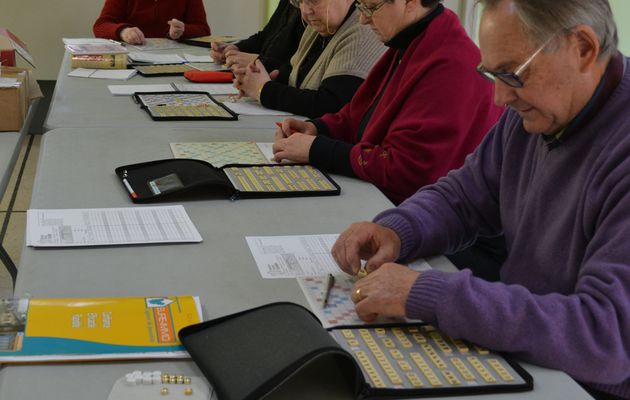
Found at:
[587, 47]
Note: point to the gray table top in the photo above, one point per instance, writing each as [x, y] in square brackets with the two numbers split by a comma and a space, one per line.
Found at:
[10, 144]
[83, 102]
[76, 170]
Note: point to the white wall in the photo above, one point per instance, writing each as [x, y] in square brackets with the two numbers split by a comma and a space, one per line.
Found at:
[42, 23]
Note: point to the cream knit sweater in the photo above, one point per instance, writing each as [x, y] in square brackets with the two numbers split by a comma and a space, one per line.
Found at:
[353, 50]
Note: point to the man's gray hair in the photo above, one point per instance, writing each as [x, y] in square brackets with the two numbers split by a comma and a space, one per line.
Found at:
[543, 18]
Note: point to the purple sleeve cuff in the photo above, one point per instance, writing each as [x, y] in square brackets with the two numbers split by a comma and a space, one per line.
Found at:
[394, 221]
[424, 295]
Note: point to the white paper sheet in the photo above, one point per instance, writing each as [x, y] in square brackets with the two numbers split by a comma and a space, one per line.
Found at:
[299, 256]
[109, 226]
[267, 149]
[247, 107]
[205, 66]
[211, 88]
[116, 74]
[87, 41]
[199, 59]
[156, 58]
[157, 44]
[293, 256]
[128, 90]
[9, 82]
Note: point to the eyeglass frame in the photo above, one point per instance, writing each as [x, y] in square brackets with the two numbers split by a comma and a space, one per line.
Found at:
[513, 79]
[368, 11]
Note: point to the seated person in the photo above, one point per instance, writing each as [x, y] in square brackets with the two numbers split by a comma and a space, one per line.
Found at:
[131, 21]
[333, 58]
[554, 176]
[420, 111]
[274, 45]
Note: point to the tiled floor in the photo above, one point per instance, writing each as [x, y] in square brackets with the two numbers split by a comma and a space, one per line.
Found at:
[14, 205]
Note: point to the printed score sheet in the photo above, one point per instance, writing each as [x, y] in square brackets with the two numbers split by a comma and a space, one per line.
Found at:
[109, 226]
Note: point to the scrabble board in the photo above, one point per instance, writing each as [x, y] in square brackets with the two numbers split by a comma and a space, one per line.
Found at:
[221, 153]
[163, 69]
[339, 309]
[280, 178]
[182, 105]
[421, 357]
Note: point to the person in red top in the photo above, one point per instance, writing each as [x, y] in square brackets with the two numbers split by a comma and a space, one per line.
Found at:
[134, 20]
[420, 111]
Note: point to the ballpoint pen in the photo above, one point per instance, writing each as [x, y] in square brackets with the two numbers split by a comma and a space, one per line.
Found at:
[128, 186]
[329, 286]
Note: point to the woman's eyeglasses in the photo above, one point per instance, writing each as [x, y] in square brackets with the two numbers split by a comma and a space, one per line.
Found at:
[368, 11]
[310, 3]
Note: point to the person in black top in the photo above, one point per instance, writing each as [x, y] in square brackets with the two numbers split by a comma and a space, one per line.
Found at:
[333, 58]
[274, 45]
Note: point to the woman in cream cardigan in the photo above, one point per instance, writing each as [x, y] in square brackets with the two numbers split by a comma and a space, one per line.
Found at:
[333, 58]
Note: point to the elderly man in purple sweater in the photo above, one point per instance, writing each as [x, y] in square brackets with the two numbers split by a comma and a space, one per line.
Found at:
[553, 176]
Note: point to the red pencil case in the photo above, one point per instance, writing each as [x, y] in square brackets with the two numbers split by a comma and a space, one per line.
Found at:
[209, 76]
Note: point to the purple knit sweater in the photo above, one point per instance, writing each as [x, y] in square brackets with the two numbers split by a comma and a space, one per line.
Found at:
[563, 301]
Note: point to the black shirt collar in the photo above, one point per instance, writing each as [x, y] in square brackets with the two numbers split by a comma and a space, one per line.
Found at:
[403, 39]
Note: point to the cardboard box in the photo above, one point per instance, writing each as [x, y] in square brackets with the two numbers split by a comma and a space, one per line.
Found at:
[13, 102]
[10, 44]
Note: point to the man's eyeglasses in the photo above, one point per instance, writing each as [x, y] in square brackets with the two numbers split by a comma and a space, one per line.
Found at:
[368, 11]
[310, 3]
[513, 79]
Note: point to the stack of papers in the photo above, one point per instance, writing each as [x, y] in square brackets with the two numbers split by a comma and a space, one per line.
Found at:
[97, 48]
[74, 41]
[117, 74]
[155, 58]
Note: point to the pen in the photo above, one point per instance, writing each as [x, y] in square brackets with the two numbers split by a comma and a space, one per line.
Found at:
[279, 125]
[329, 286]
[129, 189]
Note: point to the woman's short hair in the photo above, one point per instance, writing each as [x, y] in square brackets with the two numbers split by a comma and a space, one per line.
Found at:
[430, 3]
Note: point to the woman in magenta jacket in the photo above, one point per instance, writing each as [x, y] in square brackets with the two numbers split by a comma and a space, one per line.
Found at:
[132, 21]
[420, 111]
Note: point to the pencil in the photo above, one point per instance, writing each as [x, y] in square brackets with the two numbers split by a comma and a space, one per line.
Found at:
[329, 286]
